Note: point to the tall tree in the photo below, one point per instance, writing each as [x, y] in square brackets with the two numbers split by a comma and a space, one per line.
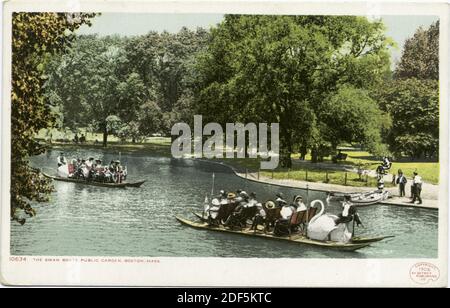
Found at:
[357, 118]
[420, 58]
[35, 37]
[92, 84]
[282, 68]
[414, 108]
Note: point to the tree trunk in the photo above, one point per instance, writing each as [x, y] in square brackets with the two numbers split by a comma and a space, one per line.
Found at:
[285, 149]
[303, 152]
[105, 136]
[314, 155]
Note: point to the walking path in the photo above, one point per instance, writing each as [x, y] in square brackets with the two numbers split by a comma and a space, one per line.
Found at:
[429, 194]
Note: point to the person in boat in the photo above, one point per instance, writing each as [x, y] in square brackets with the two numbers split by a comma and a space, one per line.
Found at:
[61, 160]
[108, 176]
[82, 171]
[282, 224]
[236, 217]
[118, 171]
[280, 201]
[348, 212]
[124, 173]
[91, 172]
[111, 167]
[298, 204]
[222, 195]
[90, 162]
[252, 200]
[259, 217]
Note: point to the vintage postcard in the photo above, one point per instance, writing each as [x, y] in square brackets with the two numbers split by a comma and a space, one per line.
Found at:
[186, 143]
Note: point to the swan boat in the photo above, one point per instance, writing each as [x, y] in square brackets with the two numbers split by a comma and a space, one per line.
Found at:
[362, 199]
[355, 244]
[93, 183]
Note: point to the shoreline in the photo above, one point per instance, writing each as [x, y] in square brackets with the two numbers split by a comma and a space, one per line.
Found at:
[430, 204]
[159, 149]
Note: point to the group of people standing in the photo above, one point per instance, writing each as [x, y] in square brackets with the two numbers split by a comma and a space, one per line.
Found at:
[416, 185]
[93, 169]
[400, 180]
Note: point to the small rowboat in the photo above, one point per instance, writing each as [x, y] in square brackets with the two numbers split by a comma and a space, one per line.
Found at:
[93, 183]
[362, 199]
[294, 239]
[355, 239]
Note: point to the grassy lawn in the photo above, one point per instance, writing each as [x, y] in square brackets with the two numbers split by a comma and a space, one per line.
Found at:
[93, 138]
[150, 146]
[428, 170]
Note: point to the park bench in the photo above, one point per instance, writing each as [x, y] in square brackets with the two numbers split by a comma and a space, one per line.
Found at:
[339, 156]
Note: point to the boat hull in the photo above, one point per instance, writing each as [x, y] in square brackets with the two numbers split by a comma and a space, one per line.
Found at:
[294, 239]
[364, 199]
[356, 240]
[92, 183]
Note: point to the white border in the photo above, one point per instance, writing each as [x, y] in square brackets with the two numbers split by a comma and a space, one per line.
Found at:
[225, 271]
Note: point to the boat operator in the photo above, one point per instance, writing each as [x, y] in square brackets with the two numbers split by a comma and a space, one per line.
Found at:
[348, 212]
[61, 159]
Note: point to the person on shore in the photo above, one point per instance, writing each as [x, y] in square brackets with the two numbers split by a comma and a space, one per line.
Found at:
[76, 139]
[380, 182]
[417, 184]
[401, 181]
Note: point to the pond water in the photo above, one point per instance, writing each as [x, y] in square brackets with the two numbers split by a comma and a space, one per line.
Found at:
[85, 220]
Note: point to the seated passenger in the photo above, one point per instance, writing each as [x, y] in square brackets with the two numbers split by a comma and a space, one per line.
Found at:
[280, 200]
[298, 204]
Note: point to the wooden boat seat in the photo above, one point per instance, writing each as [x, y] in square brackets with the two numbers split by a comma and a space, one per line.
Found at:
[311, 213]
[298, 218]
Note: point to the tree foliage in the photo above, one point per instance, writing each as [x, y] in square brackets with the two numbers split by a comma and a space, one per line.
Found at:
[412, 98]
[144, 81]
[283, 68]
[420, 58]
[414, 107]
[35, 37]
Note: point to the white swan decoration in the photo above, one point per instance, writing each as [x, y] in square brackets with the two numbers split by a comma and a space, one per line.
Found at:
[321, 225]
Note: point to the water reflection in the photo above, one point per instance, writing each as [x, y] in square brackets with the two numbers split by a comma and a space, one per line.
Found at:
[92, 221]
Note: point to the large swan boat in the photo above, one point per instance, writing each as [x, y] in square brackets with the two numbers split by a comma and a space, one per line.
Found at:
[321, 232]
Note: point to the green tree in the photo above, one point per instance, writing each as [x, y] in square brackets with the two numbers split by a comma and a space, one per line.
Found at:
[414, 107]
[282, 69]
[420, 58]
[166, 63]
[356, 118]
[91, 83]
[35, 37]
